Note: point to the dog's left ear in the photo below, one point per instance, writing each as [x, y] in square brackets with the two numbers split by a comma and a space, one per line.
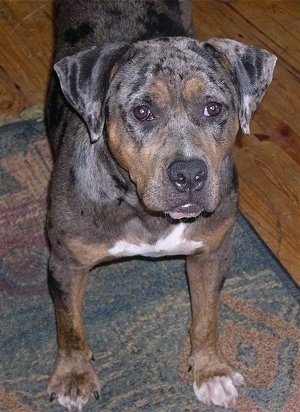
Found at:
[84, 79]
[253, 71]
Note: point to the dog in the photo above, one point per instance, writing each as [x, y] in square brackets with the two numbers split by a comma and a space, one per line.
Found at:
[142, 118]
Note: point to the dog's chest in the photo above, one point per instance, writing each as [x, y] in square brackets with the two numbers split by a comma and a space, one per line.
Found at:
[175, 242]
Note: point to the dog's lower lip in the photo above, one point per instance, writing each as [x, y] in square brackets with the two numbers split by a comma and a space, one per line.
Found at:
[188, 210]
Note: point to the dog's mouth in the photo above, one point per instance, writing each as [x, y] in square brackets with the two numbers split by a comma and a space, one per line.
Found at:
[187, 211]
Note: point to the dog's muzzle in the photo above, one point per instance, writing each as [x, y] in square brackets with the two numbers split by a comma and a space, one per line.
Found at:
[188, 177]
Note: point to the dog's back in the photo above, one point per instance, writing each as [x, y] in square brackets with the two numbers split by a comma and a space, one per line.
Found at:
[102, 21]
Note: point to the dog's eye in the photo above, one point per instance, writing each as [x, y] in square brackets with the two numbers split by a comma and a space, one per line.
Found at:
[212, 109]
[143, 113]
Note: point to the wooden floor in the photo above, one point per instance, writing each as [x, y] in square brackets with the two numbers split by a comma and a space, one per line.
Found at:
[268, 160]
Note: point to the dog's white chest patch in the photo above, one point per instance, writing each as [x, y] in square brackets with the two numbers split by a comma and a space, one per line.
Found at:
[172, 244]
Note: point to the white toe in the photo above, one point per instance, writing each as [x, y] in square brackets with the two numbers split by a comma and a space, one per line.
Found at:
[220, 391]
[69, 403]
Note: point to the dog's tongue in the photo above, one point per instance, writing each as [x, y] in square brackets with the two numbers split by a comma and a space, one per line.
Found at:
[185, 211]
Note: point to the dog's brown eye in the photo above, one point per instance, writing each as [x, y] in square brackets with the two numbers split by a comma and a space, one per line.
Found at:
[212, 109]
[143, 113]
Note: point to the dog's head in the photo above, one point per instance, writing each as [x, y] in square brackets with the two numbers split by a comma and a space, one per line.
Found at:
[170, 109]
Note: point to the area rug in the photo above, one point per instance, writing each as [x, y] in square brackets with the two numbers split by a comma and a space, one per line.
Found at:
[137, 311]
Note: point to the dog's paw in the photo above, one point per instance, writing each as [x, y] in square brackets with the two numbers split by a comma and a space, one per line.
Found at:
[72, 384]
[219, 390]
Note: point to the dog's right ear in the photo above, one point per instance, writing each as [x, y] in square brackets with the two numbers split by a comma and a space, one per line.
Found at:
[84, 79]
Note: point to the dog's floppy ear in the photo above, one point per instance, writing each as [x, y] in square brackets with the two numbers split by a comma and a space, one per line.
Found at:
[84, 79]
[253, 71]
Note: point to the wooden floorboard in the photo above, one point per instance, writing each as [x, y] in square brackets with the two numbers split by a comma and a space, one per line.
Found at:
[25, 53]
[268, 160]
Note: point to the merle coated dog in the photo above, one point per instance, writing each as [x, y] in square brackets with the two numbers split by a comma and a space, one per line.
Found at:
[142, 118]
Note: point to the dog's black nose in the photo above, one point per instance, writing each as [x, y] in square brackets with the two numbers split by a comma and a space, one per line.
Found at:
[188, 175]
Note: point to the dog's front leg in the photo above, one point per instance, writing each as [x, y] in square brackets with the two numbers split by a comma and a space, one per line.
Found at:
[214, 380]
[73, 379]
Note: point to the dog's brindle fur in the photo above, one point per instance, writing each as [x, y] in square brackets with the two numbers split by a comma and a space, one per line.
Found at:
[142, 118]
